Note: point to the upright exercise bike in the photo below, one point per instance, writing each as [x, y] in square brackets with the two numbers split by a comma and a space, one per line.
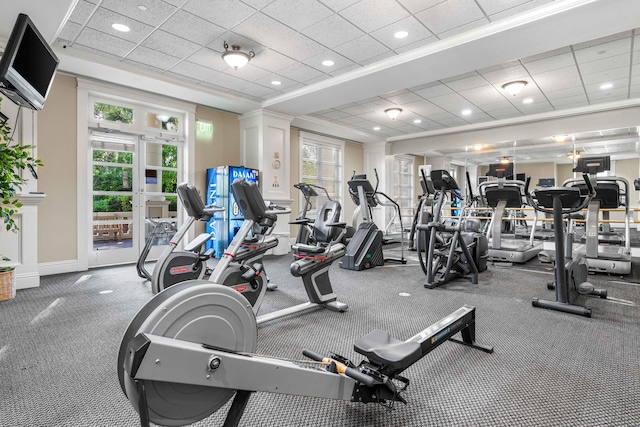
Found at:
[571, 272]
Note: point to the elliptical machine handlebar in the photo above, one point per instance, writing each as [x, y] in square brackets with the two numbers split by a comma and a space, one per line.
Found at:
[534, 200]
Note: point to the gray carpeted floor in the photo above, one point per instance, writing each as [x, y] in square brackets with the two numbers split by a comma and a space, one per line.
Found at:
[59, 342]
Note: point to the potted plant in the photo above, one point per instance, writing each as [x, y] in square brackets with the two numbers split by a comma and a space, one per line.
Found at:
[13, 159]
[7, 279]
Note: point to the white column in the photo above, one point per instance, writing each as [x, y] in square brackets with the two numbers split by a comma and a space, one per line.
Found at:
[265, 145]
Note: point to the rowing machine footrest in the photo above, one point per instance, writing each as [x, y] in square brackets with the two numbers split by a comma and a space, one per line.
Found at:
[382, 349]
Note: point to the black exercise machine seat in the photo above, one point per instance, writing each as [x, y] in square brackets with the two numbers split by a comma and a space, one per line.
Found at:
[193, 204]
[381, 348]
[326, 229]
[252, 204]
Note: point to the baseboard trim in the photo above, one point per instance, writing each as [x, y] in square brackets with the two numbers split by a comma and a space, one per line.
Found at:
[58, 267]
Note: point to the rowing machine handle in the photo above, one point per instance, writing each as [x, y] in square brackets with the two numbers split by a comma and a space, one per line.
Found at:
[342, 368]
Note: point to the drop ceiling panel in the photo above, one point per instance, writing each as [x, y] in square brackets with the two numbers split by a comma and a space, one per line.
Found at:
[155, 13]
[102, 19]
[297, 14]
[224, 13]
[450, 15]
[417, 32]
[362, 48]
[171, 45]
[192, 27]
[370, 15]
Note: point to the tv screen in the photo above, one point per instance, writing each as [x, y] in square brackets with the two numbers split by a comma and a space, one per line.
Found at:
[27, 66]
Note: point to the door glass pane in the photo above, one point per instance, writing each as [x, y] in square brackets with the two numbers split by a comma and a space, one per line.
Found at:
[112, 222]
[169, 181]
[112, 178]
[112, 113]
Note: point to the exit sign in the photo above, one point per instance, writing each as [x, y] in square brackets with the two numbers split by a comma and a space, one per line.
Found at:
[204, 128]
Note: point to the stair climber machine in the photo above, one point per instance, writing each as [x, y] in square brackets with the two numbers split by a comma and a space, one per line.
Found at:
[502, 195]
[365, 247]
[449, 252]
[612, 192]
[179, 266]
[191, 349]
[570, 269]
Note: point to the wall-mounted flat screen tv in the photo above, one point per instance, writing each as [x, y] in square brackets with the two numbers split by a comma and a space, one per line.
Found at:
[27, 66]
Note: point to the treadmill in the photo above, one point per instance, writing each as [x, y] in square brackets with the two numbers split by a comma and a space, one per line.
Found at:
[612, 192]
[502, 195]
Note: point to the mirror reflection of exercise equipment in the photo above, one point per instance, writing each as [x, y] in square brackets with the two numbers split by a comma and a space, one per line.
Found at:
[449, 253]
[605, 250]
[501, 196]
[365, 246]
[570, 269]
[424, 210]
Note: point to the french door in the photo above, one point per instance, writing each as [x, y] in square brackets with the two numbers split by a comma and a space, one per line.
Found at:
[133, 189]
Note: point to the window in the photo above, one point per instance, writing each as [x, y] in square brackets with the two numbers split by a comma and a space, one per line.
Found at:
[321, 164]
[403, 187]
[112, 113]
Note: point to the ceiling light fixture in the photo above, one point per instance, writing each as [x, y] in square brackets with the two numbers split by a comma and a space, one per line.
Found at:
[514, 88]
[142, 7]
[606, 86]
[527, 100]
[504, 161]
[376, 128]
[401, 34]
[573, 154]
[477, 147]
[121, 27]
[560, 138]
[393, 113]
[466, 112]
[416, 121]
[276, 82]
[235, 57]
[328, 63]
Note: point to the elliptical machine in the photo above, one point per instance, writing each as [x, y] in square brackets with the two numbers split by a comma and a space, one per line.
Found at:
[450, 254]
[570, 273]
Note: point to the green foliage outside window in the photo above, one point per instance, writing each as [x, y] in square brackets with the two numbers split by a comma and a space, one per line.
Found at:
[112, 113]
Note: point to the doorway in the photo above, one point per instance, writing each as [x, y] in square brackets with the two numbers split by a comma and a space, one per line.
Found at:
[133, 188]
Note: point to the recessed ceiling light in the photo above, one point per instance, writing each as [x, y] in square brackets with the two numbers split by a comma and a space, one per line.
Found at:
[606, 86]
[527, 100]
[417, 121]
[477, 147]
[401, 34]
[121, 27]
[328, 63]
[376, 128]
[276, 82]
[142, 7]
[466, 112]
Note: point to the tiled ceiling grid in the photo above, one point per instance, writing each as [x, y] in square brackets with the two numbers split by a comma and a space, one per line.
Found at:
[562, 79]
[290, 38]
[184, 39]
